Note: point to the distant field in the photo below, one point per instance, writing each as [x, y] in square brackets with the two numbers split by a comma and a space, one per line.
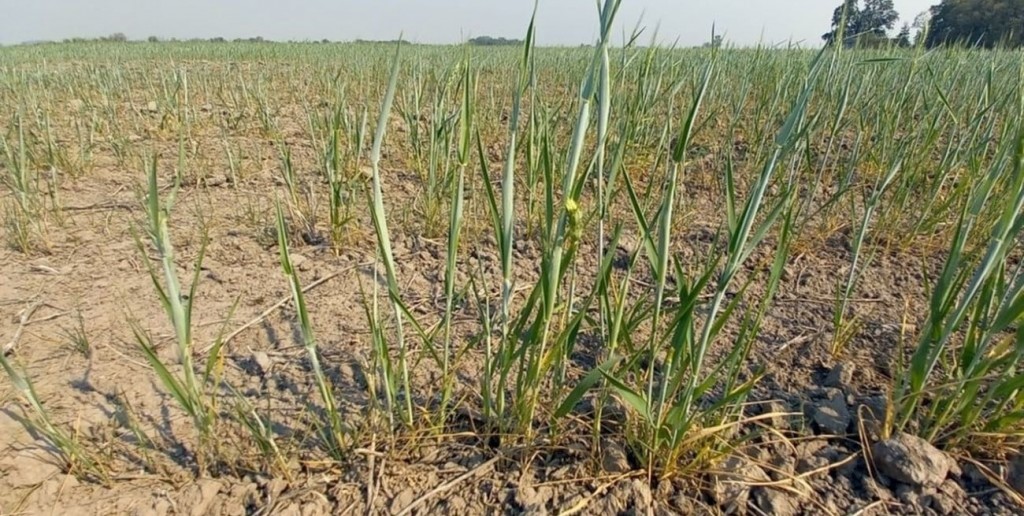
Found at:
[262, 278]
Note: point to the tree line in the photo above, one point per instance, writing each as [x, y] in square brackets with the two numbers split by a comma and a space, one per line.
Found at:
[978, 23]
[861, 23]
[486, 41]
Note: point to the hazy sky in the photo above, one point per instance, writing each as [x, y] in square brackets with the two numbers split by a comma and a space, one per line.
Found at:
[426, 21]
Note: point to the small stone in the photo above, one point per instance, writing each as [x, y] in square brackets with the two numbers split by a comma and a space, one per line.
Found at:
[911, 460]
[533, 501]
[760, 454]
[76, 104]
[152, 106]
[615, 459]
[832, 415]
[780, 416]
[730, 484]
[642, 499]
[812, 463]
[840, 377]
[775, 502]
[952, 488]
[262, 361]
[914, 496]
[783, 467]
[945, 505]
[683, 503]
[206, 107]
[947, 499]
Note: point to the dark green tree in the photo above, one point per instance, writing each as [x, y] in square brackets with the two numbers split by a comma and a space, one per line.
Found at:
[878, 17]
[985, 23]
[903, 38]
[488, 41]
[843, 21]
[716, 42]
[869, 23]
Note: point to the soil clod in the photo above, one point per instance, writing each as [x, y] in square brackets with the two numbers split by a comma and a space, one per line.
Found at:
[911, 460]
[773, 501]
[730, 484]
[832, 414]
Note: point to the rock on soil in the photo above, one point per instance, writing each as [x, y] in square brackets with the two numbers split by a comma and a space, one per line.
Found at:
[775, 502]
[615, 459]
[815, 458]
[832, 415]
[781, 415]
[730, 484]
[911, 460]
[531, 500]
[947, 499]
